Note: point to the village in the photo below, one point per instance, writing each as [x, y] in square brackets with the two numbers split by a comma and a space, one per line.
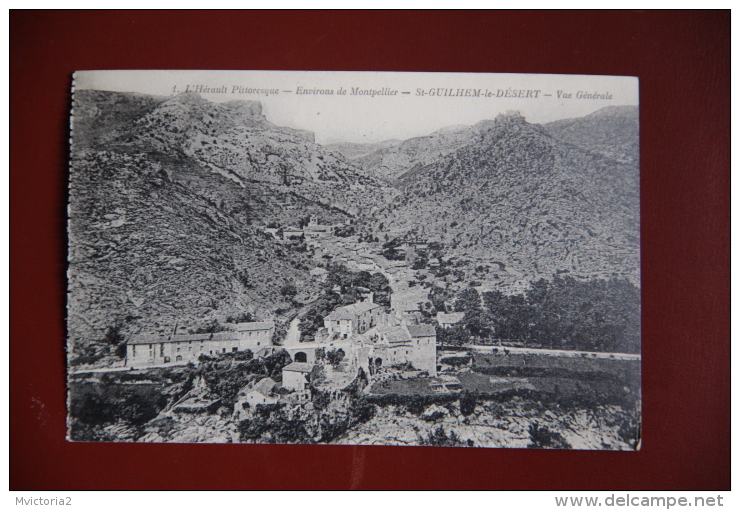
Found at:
[363, 340]
[384, 344]
[377, 341]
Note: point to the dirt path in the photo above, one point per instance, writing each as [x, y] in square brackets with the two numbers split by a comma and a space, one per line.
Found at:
[555, 352]
[293, 336]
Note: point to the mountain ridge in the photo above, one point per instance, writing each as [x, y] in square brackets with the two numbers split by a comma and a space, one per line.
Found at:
[519, 195]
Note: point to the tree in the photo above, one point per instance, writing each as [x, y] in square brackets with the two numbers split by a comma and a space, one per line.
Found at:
[509, 316]
[419, 263]
[241, 317]
[467, 300]
[542, 437]
[115, 338]
[138, 409]
[210, 327]
[467, 403]
[289, 291]
[113, 335]
[275, 362]
[456, 335]
[244, 355]
[390, 251]
[378, 283]
[566, 313]
[335, 356]
[320, 354]
[344, 231]
[438, 296]
[440, 438]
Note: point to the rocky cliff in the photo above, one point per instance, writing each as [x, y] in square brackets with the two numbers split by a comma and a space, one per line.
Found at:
[537, 204]
[493, 425]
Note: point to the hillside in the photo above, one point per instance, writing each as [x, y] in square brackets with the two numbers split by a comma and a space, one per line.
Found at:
[167, 197]
[390, 159]
[613, 132]
[354, 151]
[533, 203]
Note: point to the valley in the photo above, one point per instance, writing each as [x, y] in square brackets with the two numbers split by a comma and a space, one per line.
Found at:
[396, 281]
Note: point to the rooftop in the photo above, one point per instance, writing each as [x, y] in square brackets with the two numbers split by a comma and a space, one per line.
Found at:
[253, 326]
[422, 330]
[264, 386]
[223, 335]
[395, 334]
[352, 311]
[146, 338]
[299, 367]
[450, 318]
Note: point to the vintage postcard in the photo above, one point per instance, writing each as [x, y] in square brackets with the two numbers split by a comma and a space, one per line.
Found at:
[355, 258]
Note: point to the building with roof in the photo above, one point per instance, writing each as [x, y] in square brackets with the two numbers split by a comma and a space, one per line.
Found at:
[193, 404]
[447, 320]
[297, 376]
[261, 393]
[401, 343]
[353, 319]
[144, 350]
[407, 303]
[271, 231]
[316, 231]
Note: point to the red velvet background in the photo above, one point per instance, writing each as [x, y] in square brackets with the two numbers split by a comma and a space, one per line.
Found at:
[683, 62]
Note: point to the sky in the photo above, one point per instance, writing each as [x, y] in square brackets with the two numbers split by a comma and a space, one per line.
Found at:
[434, 100]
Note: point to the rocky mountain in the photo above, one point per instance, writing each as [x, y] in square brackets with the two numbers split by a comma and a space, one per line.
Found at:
[167, 197]
[392, 158]
[355, 151]
[235, 140]
[613, 132]
[531, 201]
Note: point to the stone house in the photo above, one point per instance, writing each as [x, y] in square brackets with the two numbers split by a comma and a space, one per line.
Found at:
[399, 344]
[147, 350]
[316, 231]
[407, 303]
[353, 319]
[447, 320]
[271, 231]
[261, 393]
[296, 376]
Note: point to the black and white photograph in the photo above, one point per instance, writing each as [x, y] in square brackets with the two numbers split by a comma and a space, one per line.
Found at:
[354, 258]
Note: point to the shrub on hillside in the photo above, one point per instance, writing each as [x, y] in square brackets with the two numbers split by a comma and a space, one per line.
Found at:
[467, 403]
[543, 437]
[439, 437]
